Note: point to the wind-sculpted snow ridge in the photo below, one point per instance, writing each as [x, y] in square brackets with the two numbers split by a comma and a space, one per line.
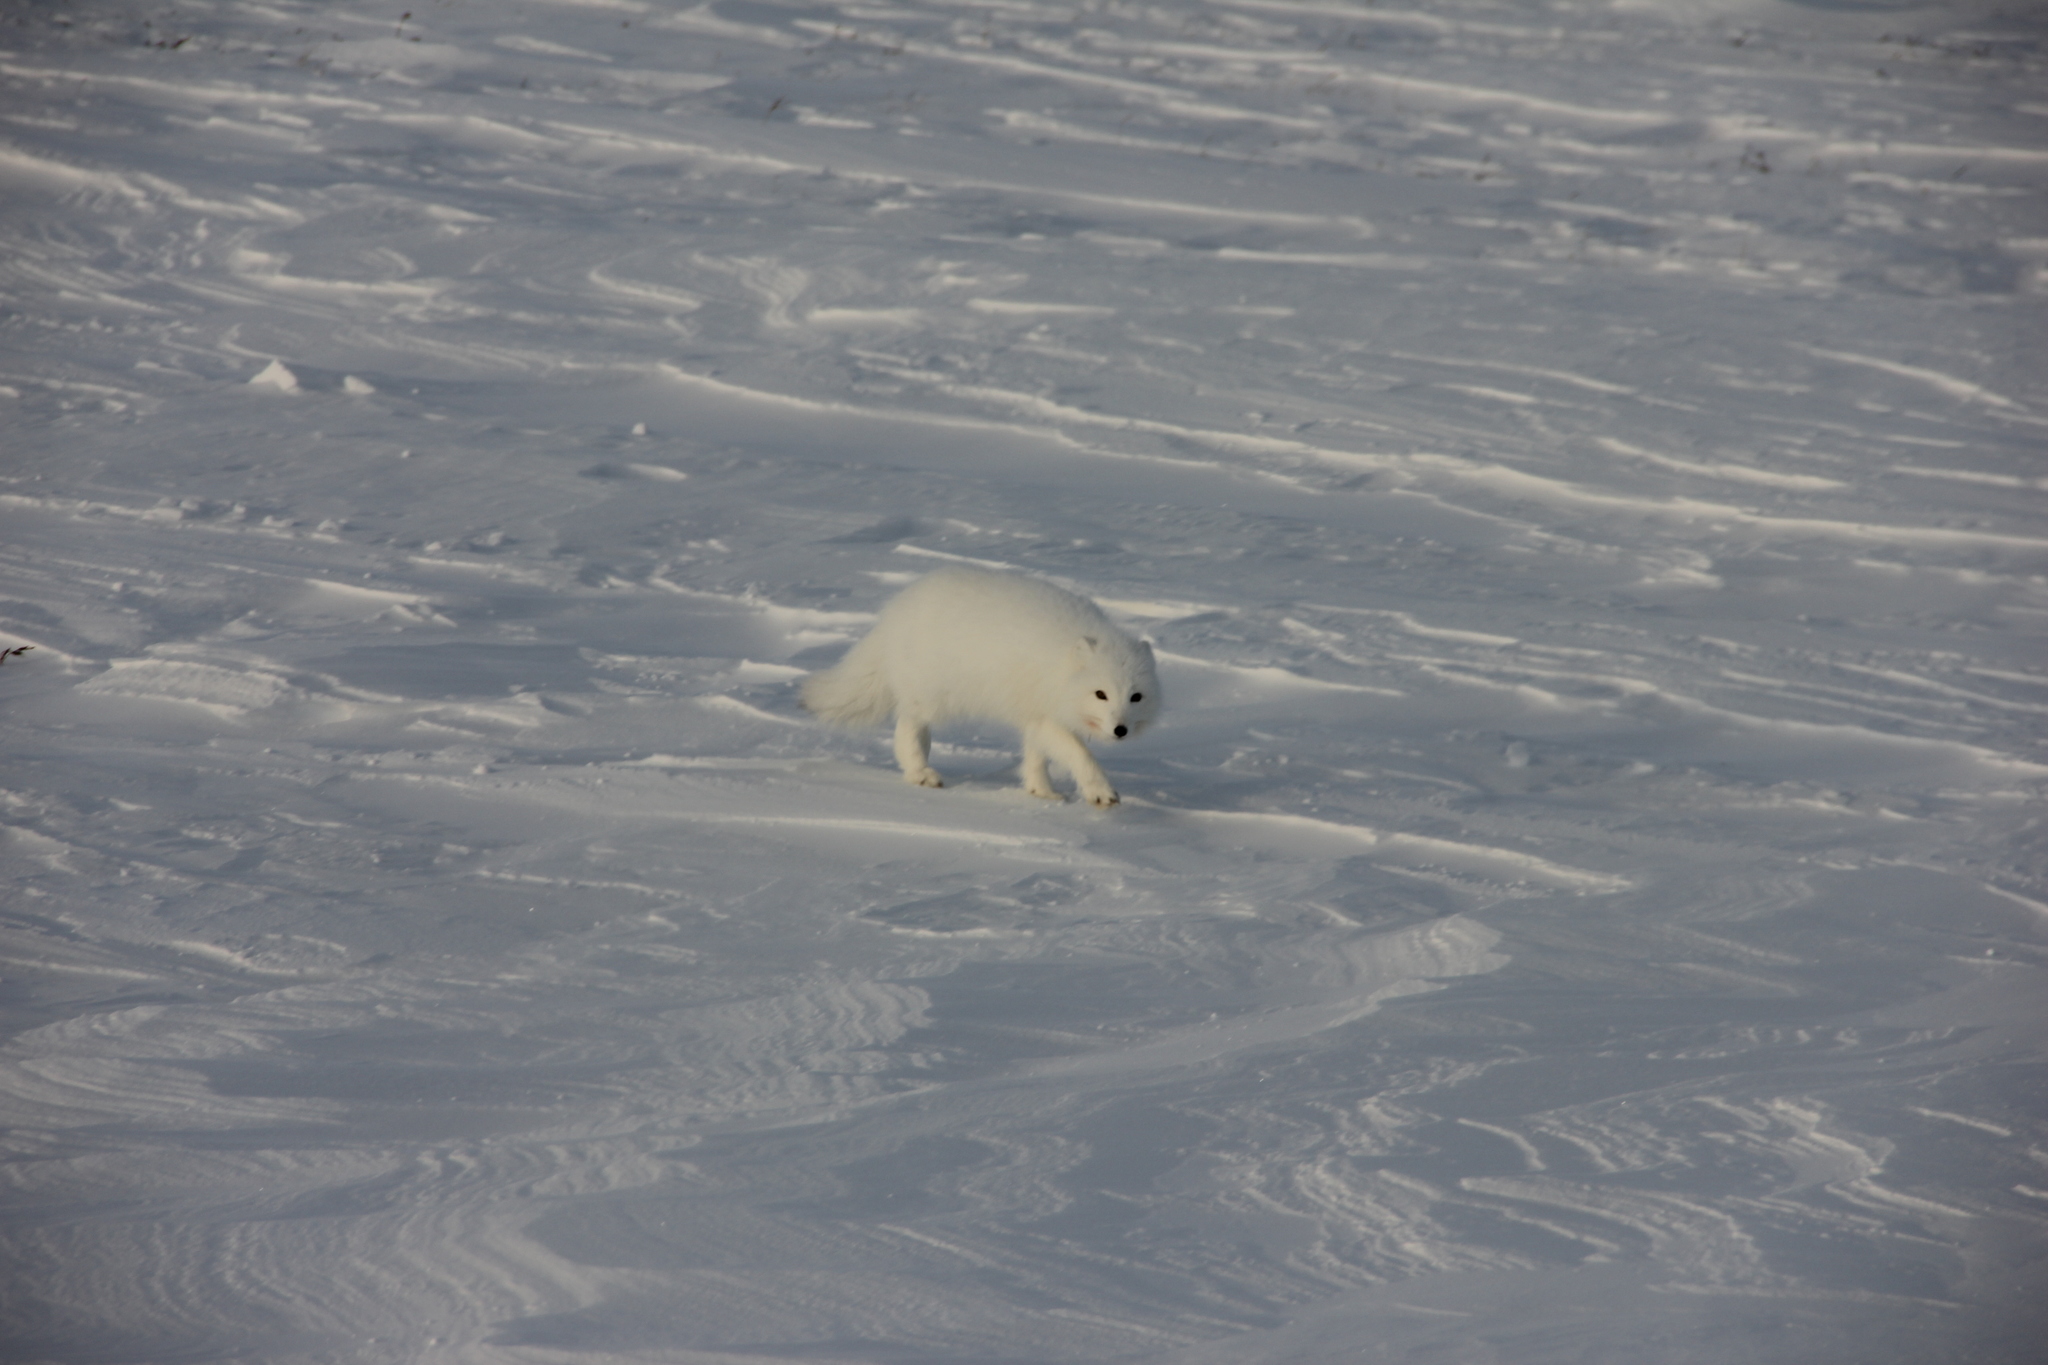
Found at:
[1580, 468]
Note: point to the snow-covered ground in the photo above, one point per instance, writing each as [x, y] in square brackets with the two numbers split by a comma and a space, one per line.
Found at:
[1582, 466]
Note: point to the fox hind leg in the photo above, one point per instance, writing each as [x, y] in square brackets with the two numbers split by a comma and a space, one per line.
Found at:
[914, 751]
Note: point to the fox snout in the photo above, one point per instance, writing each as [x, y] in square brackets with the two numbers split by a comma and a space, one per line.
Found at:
[1121, 731]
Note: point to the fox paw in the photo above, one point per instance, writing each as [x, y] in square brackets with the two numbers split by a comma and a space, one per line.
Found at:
[924, 777]
[1103, 799]
[1043, 792]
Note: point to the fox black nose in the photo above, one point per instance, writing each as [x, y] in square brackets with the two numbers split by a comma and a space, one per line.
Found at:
[1121, 731]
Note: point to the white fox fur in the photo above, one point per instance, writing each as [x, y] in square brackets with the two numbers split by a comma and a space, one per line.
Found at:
[973, 644]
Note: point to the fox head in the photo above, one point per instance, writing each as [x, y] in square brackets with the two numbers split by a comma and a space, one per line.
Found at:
[1115, 687]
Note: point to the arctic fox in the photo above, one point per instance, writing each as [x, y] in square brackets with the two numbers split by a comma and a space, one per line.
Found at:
[966, 643]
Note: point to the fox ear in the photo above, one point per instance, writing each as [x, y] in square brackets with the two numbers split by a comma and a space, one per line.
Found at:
[1146, 645]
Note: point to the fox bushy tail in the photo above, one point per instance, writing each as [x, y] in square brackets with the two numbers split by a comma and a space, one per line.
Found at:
[852, 692]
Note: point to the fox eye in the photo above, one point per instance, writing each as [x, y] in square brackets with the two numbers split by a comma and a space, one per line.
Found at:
[1137, 696]
[1101, 695]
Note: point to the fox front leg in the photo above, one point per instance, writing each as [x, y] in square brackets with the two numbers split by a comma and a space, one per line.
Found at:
[1036, 780]
[1058, 742]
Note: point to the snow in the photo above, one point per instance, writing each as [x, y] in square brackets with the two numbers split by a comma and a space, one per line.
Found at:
[1580, 464]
